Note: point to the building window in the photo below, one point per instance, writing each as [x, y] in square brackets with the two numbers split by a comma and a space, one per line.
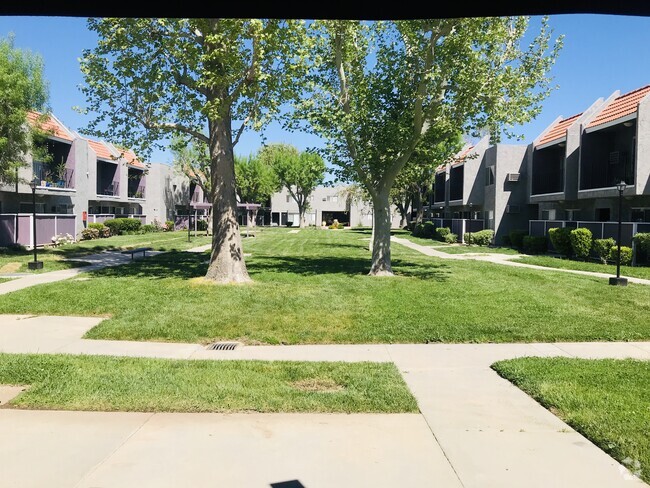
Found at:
[27, 208]
[489, 175]
[640, 215]
[549, 214]
[288, 198]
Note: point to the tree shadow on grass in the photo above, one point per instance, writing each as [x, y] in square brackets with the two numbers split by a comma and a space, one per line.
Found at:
[349, 266]
[172, 264]
[184, 265]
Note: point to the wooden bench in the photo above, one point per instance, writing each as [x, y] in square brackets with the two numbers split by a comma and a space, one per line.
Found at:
[143, 250]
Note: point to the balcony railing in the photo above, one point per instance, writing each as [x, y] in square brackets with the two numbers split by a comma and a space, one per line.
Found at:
[112, 190]
[137, 193]
[48, 177]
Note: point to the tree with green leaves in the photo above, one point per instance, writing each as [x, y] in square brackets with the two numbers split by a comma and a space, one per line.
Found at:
[22, 89]
[376, 89]
[256, 182]
[299, 172]
[148, 80]
[414, 183]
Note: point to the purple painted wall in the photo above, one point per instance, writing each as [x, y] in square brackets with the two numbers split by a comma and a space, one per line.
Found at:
[45, 230]
[99, 218]
[7, 229]
[66, 224]
[24, 226]
[71, 164]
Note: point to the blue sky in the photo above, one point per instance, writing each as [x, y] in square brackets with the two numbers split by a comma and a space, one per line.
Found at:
[601, 54]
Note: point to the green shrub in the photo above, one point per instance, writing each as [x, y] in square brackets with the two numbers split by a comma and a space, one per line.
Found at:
[442, 233]
[89, 233]
[603, 248]
[101, 228]
[626, 255]
[535, 244]
[481, 238]
[561, 240]
[146, 229]
[505, 241]
[169, 226]
[451, 238]
[428, 230]
[418, 230]
[289, 223]
[517, 238]
[121, 226]
[202, 225]
[642, 243]
[581, 240]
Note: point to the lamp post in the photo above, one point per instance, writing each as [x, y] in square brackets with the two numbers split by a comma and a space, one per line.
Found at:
[618, 280]
[470, 225]
[36, 264]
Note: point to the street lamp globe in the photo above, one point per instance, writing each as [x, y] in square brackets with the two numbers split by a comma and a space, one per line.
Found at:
[621, 186]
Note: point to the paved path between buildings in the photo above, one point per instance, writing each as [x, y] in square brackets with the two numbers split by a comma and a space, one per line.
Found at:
[505, 259]
[475, 429]
[97, 261]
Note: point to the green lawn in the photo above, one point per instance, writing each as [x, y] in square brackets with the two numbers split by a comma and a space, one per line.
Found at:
[66, 382]
[53, 257]
[552, 262]
[608, 401]
[312, 287]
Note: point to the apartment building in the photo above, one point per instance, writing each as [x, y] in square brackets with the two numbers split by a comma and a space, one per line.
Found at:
[577, 162]
[326, 204]
[483, 188]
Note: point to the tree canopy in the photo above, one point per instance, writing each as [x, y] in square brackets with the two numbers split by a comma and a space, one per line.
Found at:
[148, 80]
[22, 89]
[299, 172]
[375, 90]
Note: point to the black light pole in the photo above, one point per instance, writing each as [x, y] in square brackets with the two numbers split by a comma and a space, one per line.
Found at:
[36, 264]
[618, 280]
[470, 225]
[189, 220]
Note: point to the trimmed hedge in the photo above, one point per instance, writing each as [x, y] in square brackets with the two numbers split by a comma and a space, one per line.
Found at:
[418, 230]
[101, 229]
[428, 230]
[451, 238]
[535, 244]
[581, 240]
[481, 238]
[603, 248]
[642, 243]
[442, 233]
[517, 238]
[121, 226]
[626, 255]
[561, 239]
[89, 234]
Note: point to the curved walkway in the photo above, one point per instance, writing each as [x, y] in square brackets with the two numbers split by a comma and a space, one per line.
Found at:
[505, 259]
[475, 430]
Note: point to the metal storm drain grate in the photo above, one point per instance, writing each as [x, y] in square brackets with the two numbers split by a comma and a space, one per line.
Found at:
[223, 346]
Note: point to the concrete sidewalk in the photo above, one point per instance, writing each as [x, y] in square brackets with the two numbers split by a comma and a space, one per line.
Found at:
[475, 428]
[97, 261]
[505, 259]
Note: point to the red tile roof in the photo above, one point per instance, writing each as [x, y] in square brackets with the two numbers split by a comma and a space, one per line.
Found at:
[621, 106]
[50, 125]
[130, 157]
[558, 130]
[101, 150]
[461, 156]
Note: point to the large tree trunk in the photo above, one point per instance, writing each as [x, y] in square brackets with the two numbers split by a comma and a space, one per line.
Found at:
[303, 221]
[419, 209]
[381, 235]
[227, 259]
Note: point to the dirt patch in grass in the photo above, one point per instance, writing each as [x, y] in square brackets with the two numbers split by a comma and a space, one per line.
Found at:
[318, 385]
[10, 267]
